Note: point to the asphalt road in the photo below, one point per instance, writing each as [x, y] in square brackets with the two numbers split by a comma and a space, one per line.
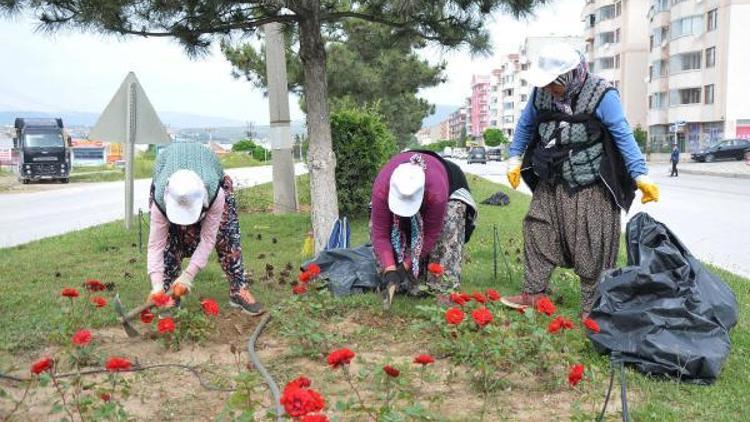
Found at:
[710, 214]
[35, 215]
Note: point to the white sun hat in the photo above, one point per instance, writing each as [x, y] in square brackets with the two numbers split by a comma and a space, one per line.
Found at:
[553, 60]
[185, 196]
[406, 190]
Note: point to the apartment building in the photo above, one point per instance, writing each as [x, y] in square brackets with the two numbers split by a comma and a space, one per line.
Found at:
[699, 74]
[479, 105]
[457, 123]
[617, 48]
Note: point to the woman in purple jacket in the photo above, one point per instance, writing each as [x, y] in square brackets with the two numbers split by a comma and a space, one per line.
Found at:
[422, 212]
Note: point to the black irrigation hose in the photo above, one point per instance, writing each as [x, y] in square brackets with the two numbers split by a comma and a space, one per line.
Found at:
[615, 358]
[262, 369]
[194, 371]
[609, 392]
[623, 393]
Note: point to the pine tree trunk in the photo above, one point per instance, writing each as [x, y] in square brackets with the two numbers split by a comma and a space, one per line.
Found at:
[321, 159]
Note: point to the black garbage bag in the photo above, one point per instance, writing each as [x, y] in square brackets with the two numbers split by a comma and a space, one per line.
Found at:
[498, 198]
[349, 270]
[664, 313]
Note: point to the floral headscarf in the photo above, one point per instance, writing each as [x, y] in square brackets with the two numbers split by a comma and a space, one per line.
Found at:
[573, 82]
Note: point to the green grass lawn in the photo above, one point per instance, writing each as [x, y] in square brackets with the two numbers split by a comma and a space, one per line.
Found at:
[33, 274]
[144, 167]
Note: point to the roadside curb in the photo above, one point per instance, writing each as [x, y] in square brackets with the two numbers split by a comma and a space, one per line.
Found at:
[713, 173]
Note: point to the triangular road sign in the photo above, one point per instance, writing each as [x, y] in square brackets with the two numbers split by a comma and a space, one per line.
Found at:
[112, 125]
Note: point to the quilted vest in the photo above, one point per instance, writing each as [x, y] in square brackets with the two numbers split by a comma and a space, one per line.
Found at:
[581, 167]
[187, 156]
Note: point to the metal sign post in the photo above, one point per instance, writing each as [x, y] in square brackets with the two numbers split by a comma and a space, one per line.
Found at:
[129, 118]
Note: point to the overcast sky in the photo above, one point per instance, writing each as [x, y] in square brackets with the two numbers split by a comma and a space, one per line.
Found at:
[71, 71]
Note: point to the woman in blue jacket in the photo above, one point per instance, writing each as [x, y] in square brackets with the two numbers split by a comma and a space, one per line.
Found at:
[583, 165]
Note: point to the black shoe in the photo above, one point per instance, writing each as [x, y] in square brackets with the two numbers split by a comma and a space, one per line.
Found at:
[243, 301]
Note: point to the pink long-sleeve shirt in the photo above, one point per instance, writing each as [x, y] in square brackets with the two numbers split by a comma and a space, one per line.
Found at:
[434, 204]
[157, 240]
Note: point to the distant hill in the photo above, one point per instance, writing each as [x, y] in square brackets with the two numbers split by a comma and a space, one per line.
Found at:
[169, 118]
[442, 111]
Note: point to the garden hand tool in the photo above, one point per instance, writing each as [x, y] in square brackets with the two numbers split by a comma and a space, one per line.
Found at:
[649, 190]
[514, 171]
[126, 317]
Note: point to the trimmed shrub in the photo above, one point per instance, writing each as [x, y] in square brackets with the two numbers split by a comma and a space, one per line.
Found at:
[362, 143]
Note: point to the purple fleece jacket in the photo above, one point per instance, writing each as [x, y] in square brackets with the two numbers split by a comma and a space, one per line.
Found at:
[433, 207]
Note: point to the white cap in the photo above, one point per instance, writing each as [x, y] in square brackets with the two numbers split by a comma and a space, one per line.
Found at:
[185, 196]
[407, 190]
[553, 60]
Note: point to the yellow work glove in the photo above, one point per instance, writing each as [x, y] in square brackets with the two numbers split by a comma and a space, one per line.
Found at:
[514, 171]
[649, 190]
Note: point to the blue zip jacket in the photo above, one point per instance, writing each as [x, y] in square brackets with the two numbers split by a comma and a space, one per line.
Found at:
[611, 115]
[675, 156]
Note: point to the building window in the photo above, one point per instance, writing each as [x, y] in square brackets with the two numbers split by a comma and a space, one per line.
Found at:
[616, 84]
[685, 62]
[658, 69]
[605, 38]
[606, 12]
[605, 63]
[617, 61]
[618, 8]
[661, 5]
[651, 43]
[617, 35]
[525, 66]
[657, 100]
[712, 20]
[524, 97]
[708, 94]
[711, 57]
[659, 35]
[690, 25]
[523, 82]
[684, 96]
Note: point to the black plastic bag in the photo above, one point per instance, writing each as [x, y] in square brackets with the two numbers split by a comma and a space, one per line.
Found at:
[498, 198]
[349, 270]
[665, 313]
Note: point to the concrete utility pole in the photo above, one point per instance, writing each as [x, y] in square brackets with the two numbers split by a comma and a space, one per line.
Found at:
[284, 190]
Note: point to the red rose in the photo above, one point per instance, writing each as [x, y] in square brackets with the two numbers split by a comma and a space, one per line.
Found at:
[304, 277]
[210, 307]
[105, 396]
[300, 401]
[146, 316]
[493, 295]
[42, 365]
[340, 357]
[424, 360]
[554, 326]
[436, 269]
[313, 270]
[545, 306]
[391, 371]
[165, 325]
[94, 285]
[482, 316]
[299, 289]
[82, 337]
[591, 325]
[69, 292]
[559, 323]
[99, 301]
[479, 297]
[575, 375]
[314, 418]
[460, 299]
[116, 364]
[161, 300]
[454, 316]
[299, 382]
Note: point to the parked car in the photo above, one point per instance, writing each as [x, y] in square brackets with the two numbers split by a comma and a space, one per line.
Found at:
[460, 153]
[494, 154]
[731, 148]
[477, 155]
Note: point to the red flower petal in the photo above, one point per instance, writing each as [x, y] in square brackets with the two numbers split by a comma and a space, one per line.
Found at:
[299, 289]
[42, 365]
[545, 306]
[591, 325]
[116, 364]
[340, 357]
[482, 316]
[313, 270]
[436, 269]
[165, 325]
[69, 292]
[82, 337]
[424, 359]
[147, 317]
[575, 375]
[454, 316]
[94, 285]
[493, 295]
[210, 307]
[99, 301]
[391, 371]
